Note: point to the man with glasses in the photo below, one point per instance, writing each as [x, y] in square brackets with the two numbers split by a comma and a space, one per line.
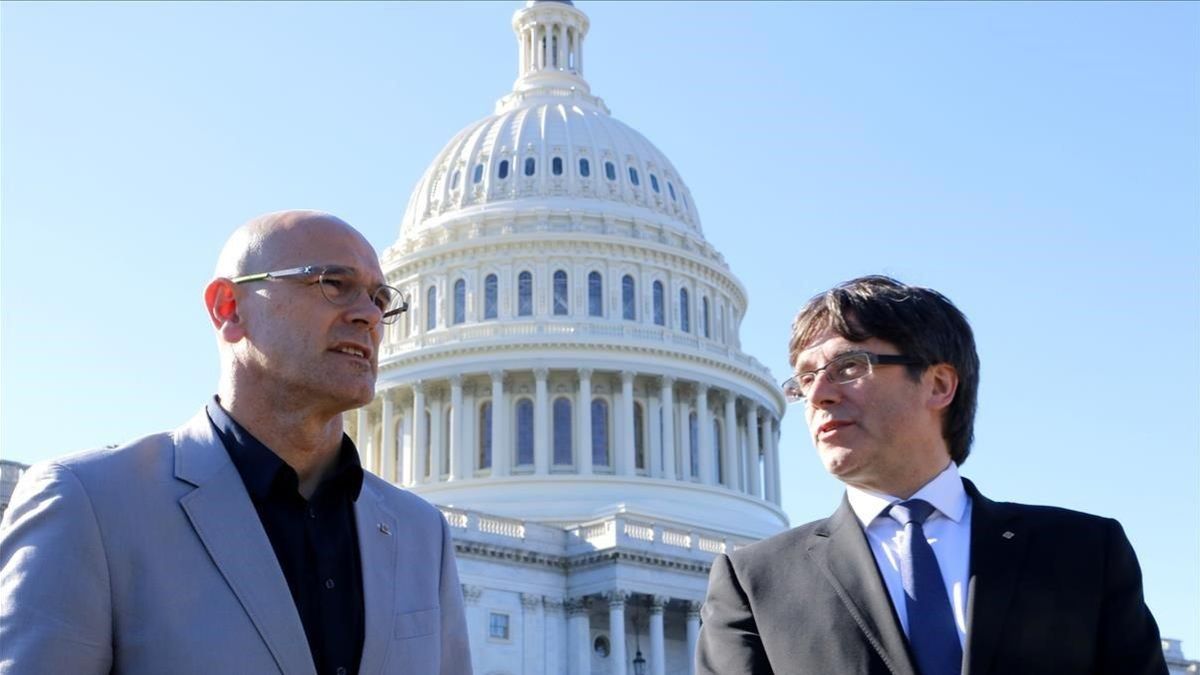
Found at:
[249, 540]
[917, 573]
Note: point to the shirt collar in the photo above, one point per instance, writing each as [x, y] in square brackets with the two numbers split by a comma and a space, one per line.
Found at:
[260, 467]
[945, 492]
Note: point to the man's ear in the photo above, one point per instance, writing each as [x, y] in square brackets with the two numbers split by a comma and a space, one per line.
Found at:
[943, 379]
[221, 303]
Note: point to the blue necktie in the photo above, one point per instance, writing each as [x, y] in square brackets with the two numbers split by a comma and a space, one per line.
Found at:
[931, 630]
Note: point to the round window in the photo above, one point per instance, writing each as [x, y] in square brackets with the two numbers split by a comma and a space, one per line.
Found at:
[601, 647]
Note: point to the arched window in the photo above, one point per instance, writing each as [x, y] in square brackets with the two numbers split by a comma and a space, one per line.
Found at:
[639, 436]
[595, 294]
[628, 298]
[633, 177]
[431, 308]
[530, 166]
[660, 314]
[525, 294]
[454, 179]
[502, 170]
[694, 443]
[585, 167]
[478, 176]
[704, 317]
[718, 449]
[562, 432]
[490, 295]
[654, 183]
[561, 296]
[556, 166]
[460, 301]
[485, 435]
[685, 318]
[600, 455]
[671, 189]
[525, 431]
[610, 171]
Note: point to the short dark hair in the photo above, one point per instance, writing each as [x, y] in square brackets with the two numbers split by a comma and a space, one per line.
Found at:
[920, 322]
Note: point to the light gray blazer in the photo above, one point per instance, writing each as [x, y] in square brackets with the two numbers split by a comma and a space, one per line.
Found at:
[150, 558]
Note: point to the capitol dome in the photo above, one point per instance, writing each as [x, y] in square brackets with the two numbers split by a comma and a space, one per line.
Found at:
[571, 350]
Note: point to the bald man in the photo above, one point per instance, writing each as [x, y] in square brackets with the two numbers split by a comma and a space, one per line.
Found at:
[249, 540]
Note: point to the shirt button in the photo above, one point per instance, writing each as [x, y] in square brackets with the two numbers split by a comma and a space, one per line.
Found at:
[341, 671]
[329, 583]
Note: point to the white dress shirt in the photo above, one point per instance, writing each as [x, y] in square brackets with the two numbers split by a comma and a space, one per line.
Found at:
[948, 531]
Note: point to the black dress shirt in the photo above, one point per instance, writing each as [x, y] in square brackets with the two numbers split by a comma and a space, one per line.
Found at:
[315, 540]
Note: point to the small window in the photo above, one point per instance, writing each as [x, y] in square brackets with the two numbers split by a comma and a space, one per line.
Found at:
[530, 166]
[525, 294]
[628, 299]
[602, 647]
[595, 294]
[660, 314]
[489, 296]
[502, 172]
[498, 626]
[685, 316]
[460, 301]
[600, 433]
[562, 432]
[561, 305]
[654, 183]
[585, 167]
[633, 177]
[704, 318]
[478, 176]
[524, 431]
[610, 171]
[454, 179]
[671, 189]
[556, 166]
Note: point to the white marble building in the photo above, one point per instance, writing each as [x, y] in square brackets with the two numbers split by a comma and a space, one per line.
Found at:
[568, 384]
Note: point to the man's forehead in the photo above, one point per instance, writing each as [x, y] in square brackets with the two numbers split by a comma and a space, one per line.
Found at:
[828, 345]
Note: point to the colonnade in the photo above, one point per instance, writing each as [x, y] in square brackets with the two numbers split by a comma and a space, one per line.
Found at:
[540, 421]
[572, 616]
[554, 46]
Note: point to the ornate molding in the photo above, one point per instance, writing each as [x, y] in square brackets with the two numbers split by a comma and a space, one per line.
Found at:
[531, 601]
[693, 610]
[577, 606]
[471, 594]
[616, 599]
[657, 603]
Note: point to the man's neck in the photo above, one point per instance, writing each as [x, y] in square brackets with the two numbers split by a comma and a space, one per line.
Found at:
[308, 442]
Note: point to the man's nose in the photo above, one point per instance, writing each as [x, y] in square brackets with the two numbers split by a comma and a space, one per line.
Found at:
[824, 390]
[364, 309]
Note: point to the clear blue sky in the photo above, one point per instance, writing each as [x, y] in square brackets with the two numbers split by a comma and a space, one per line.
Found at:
[1037, 162]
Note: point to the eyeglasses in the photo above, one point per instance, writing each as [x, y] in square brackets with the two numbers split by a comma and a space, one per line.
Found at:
[842, 370]
[340, 287]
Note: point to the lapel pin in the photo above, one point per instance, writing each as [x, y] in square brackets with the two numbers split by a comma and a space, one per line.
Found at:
[385, 529]
[1008, 534]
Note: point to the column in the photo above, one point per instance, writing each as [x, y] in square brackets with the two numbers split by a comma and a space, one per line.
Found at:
[579, 638]
[420, 432]
[360, 439]
[404, 449]
[436, 446]
[584, 417]
[733, 471]
[476, 621]
[655, 446]
[541, 423]
[685, 439]
[752, 451]
[457, 469]
[388, 436]
[616, 630]
[705, 427]
[776, 478]
[693, 633]
[658, 657]
[554, 648]
[501, 447]
[668, 427]
[532, 632]
[627, 465]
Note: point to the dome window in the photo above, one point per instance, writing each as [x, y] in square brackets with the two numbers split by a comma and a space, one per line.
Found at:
[556, 166]
[460, 301]
[585, 167]
[685, 315]
[485, 437]
[633, 177]
[490, 288]
[628, 298]
[431, 308]
[524, 432]
[454, 179]
[660, 315]
[561, 305]
[502, 172]
[610, 171]
[671, 189]
[654, 183]
[595, 294]
[478, 176]
[525, 294]
[562, 432]
[600, 455]
[530, 166]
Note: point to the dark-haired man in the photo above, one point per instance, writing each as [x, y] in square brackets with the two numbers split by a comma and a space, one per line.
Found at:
[917, 573]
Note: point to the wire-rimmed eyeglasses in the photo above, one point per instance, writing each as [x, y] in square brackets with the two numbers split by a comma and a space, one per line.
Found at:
[340, 287]
[842, 370]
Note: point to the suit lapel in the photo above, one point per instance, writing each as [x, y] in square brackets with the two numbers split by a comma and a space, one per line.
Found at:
[224, 518]
[377, 534]
[999, 542]
[841, 552]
